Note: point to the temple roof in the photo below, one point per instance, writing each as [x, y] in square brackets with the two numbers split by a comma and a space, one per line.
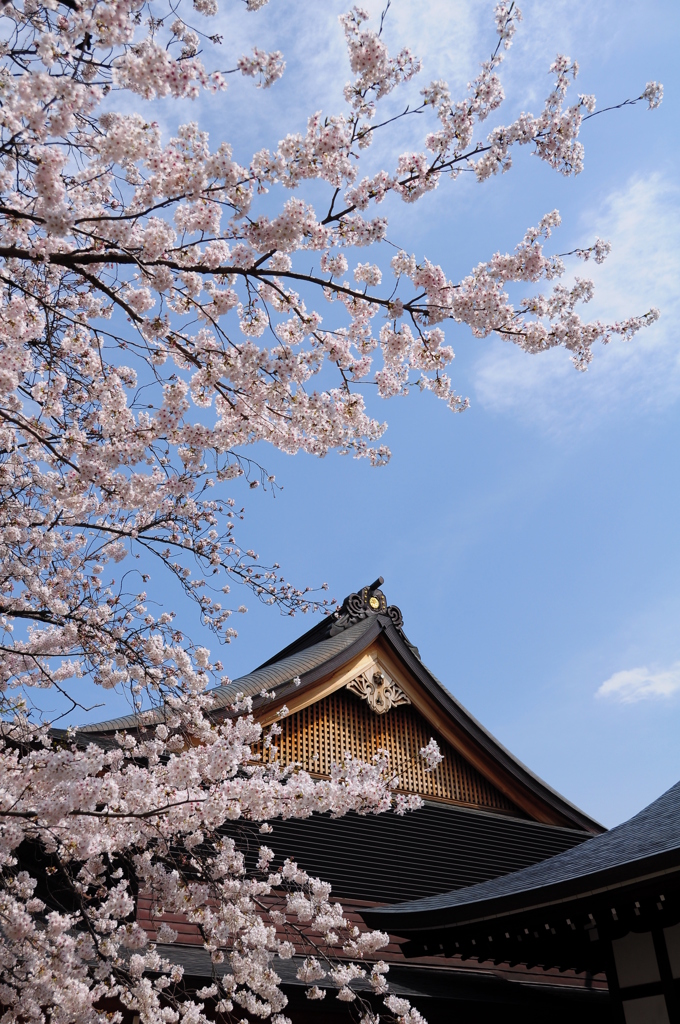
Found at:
[649, 843]
[366, 621]
[379, 858]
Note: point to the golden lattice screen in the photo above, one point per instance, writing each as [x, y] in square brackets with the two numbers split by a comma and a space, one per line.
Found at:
[318, 735]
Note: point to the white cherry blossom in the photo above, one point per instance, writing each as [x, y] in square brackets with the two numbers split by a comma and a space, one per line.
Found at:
[160, 315]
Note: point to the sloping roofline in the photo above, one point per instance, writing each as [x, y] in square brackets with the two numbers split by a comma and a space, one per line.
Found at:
[648, 844]
[337, 640]
[382, 627]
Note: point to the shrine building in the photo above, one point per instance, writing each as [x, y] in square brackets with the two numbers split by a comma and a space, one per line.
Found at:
[356, 683]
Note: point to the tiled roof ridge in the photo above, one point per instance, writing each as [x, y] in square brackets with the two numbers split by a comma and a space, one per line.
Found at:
[366, 603]
[320, 643]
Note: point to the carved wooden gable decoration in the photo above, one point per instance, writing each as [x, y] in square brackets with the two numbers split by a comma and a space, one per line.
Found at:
[362, 687]
[354, 683]
[319, 734]
[366, 708]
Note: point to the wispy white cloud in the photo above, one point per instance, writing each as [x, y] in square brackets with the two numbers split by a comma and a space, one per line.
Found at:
[636, 684]
[642, 221]
[580, 30]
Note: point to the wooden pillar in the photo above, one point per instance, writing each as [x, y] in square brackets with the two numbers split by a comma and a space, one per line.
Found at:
[640, 972]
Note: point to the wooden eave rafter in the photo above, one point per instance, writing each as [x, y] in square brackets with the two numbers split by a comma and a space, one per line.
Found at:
[382, 641]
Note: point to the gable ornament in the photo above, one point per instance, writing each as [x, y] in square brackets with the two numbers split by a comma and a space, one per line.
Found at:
[370, 601]
[379, 691]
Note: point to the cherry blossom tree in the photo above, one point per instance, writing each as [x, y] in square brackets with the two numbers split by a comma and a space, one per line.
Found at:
[138, 277]
[152, 816]
[155, 324]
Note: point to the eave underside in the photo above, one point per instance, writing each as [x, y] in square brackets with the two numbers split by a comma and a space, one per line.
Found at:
[574, 933]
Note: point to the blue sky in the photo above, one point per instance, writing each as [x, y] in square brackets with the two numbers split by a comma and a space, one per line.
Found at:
[532, 542]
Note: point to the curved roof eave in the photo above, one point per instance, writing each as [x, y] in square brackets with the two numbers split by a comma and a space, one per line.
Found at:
[486, 739]
[319, 660]
[648, 841]
[264, 678]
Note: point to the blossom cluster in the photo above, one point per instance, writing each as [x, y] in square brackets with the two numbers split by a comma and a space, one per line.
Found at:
[156, 319]
[153, 815]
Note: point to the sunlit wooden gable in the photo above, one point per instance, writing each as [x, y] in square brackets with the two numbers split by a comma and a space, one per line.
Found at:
[354, 683]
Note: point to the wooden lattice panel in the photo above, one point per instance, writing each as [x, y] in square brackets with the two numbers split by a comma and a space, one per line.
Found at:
[318, 736]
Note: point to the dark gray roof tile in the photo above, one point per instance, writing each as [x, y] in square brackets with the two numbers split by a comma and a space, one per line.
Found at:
[652, 832]
[269, 676]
